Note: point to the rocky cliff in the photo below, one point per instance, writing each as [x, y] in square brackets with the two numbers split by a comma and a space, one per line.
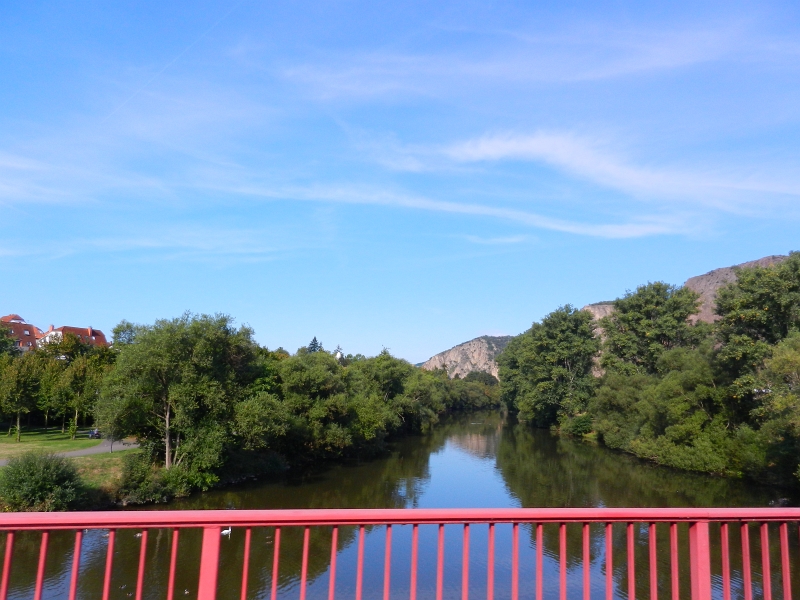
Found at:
[708, 284]
[474, 355]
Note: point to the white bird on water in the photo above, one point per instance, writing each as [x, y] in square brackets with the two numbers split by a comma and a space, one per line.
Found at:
[227, 531]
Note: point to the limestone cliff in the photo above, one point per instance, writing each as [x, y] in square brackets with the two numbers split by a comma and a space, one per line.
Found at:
[474, 355]
[708, 284]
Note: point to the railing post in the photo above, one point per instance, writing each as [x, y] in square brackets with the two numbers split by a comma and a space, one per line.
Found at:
[700, 559]
[209, 564]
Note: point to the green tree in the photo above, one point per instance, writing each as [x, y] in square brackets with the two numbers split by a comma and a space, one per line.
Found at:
[181, 379]
[314, 345]
[646, 323]
[546, 372]
[19, 385]
[757, 311]
[7, 343]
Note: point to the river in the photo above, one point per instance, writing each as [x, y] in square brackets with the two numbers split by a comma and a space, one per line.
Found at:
[471, 461]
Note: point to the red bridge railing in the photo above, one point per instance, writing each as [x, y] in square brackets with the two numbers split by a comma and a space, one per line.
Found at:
[727, 524]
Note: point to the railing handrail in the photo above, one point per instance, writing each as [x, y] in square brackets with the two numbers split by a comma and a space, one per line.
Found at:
[126, 519]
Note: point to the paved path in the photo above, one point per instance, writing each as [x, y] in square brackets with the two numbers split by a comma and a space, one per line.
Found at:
[102, 447]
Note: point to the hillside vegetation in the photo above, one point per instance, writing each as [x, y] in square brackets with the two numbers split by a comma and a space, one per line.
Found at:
[210, 406]
[652, 380]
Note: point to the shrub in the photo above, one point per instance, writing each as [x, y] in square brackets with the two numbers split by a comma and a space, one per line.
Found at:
[40, 481]
[142, 481]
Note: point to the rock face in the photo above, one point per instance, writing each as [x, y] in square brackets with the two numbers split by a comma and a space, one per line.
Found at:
[474, 355]
[708, 284]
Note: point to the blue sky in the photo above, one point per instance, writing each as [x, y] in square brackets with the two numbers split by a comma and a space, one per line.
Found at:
[407, 176]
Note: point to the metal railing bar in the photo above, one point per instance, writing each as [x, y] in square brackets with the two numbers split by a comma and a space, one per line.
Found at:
[562, 561]
[142, 557]
[673, 556]
[173, 561]
[653, 540]
[766, 575]
[334, 552]
[726, 561]
[109, 564]
[631, 563]
[609, 561]
[304, 564]
[515, 561]
[276, 556]
[490, 564]
[440, 563]
[327, 517]
[360, 564]
[387, 564]
[7, 565]
[37, 594]
[587, 564]
[76, 565]
[246, 562]
[747, 583]
[465, 565]
[785, 562]
[414, 551]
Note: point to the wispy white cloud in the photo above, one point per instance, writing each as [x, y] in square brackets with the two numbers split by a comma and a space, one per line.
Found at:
[585, 54]
[497, 241]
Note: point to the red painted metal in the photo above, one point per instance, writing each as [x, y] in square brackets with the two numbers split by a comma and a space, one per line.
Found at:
[7, 565]
[465, 565]
[360, 568]
[562, 560]
[766, 575]
[304, 564]
[785, 568]
[490, 565]
[653, 562]
[414, 548]
[700, 560]
[109, 566]
[209, 562]
[631, 564]
[246, 562]
[726, 561]
[173, 561]
[747, 583]
[539, 560]
[142, 556]
[212, 522]
[334, 552]
[673, 555]
[515, 562]
[276, 557]
[609, 561]
[37, 593]
[387, 564]
[440, 563]
[76, 565]
[587, 563]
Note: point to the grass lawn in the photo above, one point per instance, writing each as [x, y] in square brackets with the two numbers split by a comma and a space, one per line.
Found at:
[101, 471]
[37, 439]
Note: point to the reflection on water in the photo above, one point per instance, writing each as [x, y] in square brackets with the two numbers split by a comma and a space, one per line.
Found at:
[475, 461]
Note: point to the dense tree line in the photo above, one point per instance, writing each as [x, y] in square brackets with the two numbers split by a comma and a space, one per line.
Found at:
[649, 380]
[210, 405]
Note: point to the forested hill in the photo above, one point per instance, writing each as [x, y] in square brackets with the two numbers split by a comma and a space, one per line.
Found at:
[480, 354]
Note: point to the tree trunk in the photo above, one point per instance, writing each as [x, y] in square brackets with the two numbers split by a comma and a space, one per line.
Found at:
[76, 422]
[168, 452]
[18, 435]
[45, 421]
[63, 421]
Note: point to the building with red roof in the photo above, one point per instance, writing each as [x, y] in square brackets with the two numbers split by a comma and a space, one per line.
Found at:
[29, 336]
[25, 335]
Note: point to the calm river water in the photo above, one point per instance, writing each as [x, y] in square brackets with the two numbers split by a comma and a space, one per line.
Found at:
[473, 461]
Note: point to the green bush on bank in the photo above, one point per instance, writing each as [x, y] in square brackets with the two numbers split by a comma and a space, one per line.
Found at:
[38, 481]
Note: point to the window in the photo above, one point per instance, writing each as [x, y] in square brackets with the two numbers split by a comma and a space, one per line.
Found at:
[27, 332]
